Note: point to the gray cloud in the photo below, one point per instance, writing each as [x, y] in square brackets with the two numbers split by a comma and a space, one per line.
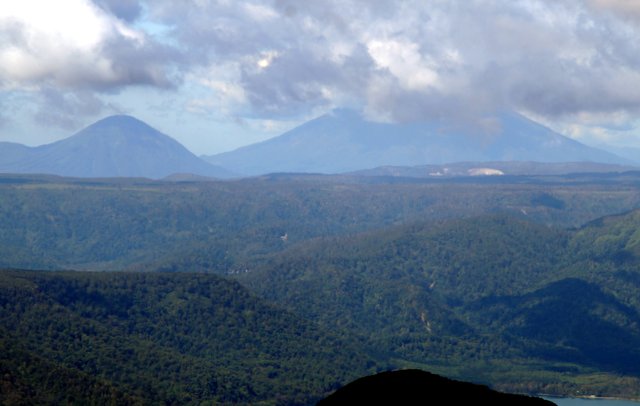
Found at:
[68, 110]
[127, 10]
[86, 48]
[554, 59]
[297, 81]
[68, 62]
[401, 60]
[622, 8]
[154, 64]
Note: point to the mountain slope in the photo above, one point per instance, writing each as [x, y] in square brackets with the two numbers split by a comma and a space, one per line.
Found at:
[343, 141]
[397, 285]
[113, 147]
[495, 299]
[47, 222]
[630, 153]
[162, 338]
[570, 320]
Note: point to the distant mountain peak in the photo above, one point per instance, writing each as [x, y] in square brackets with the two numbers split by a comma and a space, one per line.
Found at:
[344, 140]
[121, 125]
[119, 118]
[116, 146]
[343, 112]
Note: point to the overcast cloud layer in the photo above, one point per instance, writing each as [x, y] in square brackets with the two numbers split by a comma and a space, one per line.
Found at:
[261, 65]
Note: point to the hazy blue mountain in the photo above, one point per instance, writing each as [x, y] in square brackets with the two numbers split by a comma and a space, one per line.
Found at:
[12, 153]
[343, 141]
[630, 153]
[115, 146]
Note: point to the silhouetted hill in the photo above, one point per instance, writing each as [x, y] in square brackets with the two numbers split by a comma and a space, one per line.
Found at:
[343, 141]
[415, 387]
[115, 146]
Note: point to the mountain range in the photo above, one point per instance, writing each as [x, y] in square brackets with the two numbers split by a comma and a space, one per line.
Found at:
[117, 146]
[343, 140]
[337, 142]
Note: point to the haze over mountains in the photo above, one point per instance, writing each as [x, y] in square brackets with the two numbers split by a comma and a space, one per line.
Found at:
[113, 147]
[337, 142]
[343, 141]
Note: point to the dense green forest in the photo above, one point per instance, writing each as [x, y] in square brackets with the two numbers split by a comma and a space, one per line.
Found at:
[112, 224]
[493, 298]
[160, 338]
[528, 284]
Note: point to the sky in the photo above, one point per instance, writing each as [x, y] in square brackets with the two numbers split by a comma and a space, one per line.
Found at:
[216, 75]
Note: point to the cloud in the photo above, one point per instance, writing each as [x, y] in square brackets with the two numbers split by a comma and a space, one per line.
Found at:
[67, 54]
[297, 81]
[67, 109]
[73, 45]
[416, 59]
[127, 10]
[277, 59]
[623, 8]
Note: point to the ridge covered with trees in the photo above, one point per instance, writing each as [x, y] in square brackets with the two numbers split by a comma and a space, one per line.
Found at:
[148, 338]
[110, 224]
[492, 281]
[494, 298]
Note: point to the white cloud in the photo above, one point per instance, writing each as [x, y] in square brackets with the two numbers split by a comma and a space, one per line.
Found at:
[281, 59]
[266, 58]
[260, 12]
[404, 61]
[59, 43]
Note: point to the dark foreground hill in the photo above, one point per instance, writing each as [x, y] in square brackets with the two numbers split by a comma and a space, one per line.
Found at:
[343, 141]
[415, 387]
[117, 146]
[156, 338]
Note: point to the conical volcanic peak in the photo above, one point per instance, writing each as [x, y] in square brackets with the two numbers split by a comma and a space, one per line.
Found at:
[344, 140]
[116, 146]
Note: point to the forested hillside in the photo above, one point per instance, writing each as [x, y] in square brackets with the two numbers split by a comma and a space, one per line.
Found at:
[403, 281]
[160, 338]
[498, 282]
[496, 298]
[61, 223]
